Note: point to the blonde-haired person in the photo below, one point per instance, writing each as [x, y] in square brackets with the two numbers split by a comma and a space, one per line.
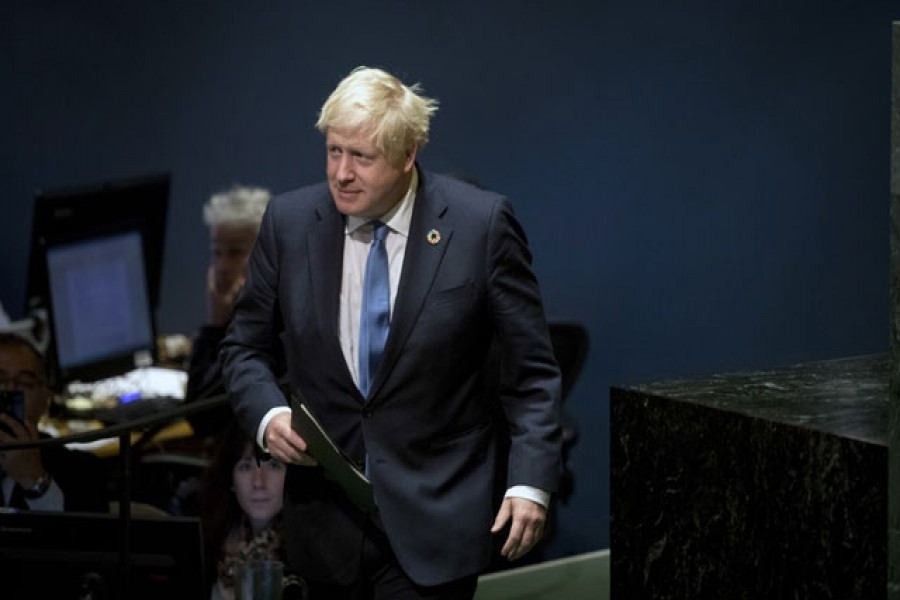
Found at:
[394, 116]
[398, 382]
[232, 217]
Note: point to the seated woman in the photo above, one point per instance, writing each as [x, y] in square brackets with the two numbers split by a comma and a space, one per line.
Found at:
[240, 504]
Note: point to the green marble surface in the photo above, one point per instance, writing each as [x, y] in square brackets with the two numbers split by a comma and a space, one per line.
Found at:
[846, 397]
[752, 484]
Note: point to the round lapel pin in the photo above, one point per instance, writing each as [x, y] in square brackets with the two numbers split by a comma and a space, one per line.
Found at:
[433, 237]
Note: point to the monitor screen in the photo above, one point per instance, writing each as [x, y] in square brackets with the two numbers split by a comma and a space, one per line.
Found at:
[100, 312]
[78, 212]
[64, 555]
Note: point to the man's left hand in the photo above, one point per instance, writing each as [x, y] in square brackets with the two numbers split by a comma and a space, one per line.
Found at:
[527, 528]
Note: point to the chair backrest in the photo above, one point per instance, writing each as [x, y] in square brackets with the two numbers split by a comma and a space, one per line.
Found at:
[570, 345]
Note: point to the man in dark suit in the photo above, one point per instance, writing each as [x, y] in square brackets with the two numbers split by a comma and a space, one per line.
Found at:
[52, 477]
[399, 383]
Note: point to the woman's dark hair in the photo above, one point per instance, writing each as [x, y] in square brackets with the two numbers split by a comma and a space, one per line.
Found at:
[219, 508]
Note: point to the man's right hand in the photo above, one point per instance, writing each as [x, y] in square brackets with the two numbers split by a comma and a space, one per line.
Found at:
[285, 444]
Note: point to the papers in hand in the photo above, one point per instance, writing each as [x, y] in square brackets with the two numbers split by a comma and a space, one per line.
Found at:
[337, 466]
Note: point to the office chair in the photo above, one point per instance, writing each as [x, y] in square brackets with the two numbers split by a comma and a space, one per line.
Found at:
[570, 346]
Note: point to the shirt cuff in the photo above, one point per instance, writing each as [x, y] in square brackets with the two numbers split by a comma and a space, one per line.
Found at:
[529, 493]
[52, 500]
[261, 430]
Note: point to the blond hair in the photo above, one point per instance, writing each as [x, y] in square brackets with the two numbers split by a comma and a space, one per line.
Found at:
[398, 116]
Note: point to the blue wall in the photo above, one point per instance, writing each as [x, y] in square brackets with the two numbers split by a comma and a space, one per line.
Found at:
[705, 185]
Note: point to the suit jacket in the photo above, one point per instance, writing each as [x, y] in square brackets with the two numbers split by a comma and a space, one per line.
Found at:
[428, 424]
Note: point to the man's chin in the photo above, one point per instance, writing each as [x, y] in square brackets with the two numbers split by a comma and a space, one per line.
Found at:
[351, 208]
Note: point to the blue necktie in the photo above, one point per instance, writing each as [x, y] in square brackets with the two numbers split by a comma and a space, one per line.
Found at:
[375, 317]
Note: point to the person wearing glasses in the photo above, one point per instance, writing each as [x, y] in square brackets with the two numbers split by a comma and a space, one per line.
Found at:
[47, 478]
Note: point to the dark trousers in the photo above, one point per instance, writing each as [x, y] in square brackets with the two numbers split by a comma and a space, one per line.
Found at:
[381, 578]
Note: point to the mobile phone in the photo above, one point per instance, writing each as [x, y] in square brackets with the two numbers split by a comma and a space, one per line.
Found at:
[12, 402]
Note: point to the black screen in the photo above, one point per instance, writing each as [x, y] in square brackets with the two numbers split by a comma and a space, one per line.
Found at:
[59, 555]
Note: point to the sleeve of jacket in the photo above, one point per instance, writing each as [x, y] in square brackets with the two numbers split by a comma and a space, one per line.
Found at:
[250, 352]
[530, 387]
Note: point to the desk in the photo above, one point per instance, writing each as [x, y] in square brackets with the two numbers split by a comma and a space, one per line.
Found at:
[169, 427]
[162, 390]
[107, 447]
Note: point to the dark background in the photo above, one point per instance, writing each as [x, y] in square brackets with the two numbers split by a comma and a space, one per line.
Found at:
[705, 185]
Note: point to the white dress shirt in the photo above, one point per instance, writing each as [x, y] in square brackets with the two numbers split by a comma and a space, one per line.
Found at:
[52, 500]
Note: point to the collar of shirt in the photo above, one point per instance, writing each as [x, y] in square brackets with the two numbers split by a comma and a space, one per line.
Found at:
[398, 218]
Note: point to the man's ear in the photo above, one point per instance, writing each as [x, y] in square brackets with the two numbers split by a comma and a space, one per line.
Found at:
[410, 159]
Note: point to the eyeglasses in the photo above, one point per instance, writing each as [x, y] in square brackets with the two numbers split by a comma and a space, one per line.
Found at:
[27, 382]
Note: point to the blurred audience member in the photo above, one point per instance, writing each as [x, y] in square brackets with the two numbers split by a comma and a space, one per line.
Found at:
[241, 502]
[233, 218]
[51, 478]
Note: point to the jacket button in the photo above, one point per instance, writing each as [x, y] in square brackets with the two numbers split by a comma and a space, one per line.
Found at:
[367, 413]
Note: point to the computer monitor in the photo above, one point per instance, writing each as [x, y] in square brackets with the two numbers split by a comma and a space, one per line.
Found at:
[62, 554]
[104, 243]
[78, 212]
[100, 315]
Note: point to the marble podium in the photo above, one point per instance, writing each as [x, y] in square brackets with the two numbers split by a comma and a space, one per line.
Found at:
[769, 484]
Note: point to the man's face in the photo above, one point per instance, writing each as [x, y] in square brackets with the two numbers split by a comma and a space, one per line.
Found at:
[20, 369]
[363, 182]
[230, 246]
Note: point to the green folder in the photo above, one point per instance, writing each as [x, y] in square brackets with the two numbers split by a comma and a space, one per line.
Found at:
[337, 466]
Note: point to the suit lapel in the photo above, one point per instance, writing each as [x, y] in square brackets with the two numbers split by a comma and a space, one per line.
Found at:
[326, 256]
[420, 265]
